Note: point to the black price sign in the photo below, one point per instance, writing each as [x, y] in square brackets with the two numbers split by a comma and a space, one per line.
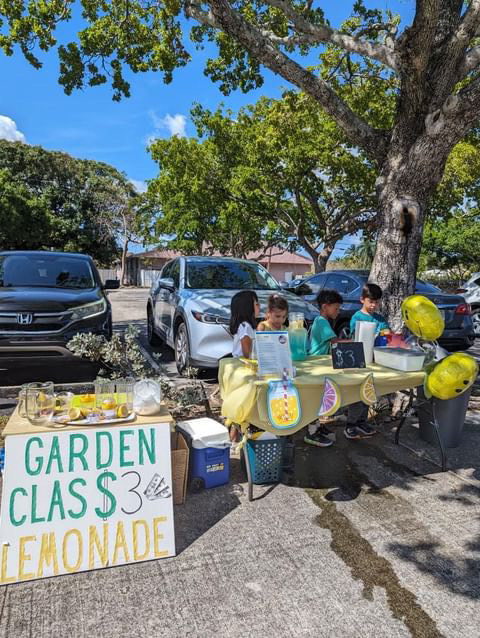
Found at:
[348, 355]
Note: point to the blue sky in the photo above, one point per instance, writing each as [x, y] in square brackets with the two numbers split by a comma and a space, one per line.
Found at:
[88, 124]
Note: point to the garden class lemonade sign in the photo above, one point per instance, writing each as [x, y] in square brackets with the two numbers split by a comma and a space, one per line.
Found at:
[87, 499]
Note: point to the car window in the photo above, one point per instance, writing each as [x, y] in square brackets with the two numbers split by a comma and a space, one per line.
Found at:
[228, 275]
[340, 283]
[476, 282]
[311, 286]
[423, 286]
[45, 271]
[166, 271]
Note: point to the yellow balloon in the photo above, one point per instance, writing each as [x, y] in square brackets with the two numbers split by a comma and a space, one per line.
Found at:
[452, 376]
[422, 317]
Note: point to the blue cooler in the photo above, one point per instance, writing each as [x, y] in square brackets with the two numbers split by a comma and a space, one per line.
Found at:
[209, 445]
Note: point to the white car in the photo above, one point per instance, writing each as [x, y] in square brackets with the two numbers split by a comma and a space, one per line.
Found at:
[189, 306]
[471, 292]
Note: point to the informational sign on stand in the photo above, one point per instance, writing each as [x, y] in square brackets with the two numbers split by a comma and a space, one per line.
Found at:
[273, 353]
[87, 499]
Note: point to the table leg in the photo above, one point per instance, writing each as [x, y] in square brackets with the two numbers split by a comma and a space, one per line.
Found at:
[439, 439]
[249, 474]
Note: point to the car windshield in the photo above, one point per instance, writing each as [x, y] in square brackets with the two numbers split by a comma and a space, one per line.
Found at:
[45, 271]
[228, 276]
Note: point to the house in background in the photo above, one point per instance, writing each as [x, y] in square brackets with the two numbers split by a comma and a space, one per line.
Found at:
[143, 268]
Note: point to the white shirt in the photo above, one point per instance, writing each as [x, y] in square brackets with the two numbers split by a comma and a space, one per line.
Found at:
[244, 330]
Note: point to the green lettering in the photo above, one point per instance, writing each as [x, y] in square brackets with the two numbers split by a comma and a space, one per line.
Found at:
[56, 502]
[124, 448]
[13, 520]
[107, 493]
[75, 494]
[143, 446]
[54, 456]
[108, 462]
[80, 454]
[35, 518]
[38, 459]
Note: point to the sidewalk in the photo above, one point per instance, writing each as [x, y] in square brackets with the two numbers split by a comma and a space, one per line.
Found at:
[373, 541]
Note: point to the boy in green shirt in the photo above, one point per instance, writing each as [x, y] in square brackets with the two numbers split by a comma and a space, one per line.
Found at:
[329, 302]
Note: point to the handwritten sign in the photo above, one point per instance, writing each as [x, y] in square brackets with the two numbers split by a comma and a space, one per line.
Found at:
[87, 499]
[348, 355]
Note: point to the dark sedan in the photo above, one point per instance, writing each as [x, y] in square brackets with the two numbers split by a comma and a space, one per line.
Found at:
[458, 334]
[45, 299]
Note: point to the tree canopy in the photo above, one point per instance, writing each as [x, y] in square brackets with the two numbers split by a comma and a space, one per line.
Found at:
[431, 67]
[50, 200]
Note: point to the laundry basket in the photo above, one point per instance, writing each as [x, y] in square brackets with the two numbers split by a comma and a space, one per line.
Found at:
[265, 459]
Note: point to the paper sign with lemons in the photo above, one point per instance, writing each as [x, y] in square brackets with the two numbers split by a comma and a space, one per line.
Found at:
[283, 403]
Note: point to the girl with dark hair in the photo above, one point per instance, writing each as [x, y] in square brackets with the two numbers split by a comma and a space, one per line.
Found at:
[243, 321]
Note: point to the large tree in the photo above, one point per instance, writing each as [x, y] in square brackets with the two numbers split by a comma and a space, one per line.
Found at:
[435, 62]
[50, 200]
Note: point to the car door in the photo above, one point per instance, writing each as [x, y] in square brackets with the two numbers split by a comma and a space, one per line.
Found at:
[161, 299]
[171, 300]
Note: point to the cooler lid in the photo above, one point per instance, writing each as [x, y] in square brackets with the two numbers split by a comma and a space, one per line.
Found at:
[205, 432]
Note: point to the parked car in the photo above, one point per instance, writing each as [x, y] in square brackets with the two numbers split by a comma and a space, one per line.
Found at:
[471, 292]
[45, 299]
[189, 306]
[458, 334]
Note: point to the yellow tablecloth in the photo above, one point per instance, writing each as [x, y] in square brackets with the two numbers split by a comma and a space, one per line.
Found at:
[244, 395]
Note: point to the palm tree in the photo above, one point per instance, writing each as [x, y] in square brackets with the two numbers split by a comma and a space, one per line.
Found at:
[362, 253]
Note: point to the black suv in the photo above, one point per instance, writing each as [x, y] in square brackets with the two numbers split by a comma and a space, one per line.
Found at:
[458, 334]
[45, 299]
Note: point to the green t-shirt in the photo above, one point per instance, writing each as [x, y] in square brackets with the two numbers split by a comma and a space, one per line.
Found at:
[362, 316]
[320, 337]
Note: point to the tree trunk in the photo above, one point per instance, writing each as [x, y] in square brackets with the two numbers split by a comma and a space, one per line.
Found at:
[323, 255]
[123, 261]
[403, 195]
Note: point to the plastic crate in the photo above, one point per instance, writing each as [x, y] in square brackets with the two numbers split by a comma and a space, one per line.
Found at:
[266, 460]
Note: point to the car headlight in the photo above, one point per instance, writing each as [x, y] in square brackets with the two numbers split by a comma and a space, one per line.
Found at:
[205, 317]
[89, 310]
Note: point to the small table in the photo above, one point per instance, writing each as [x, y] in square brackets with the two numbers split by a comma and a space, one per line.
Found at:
[244, 395]
[85, 497]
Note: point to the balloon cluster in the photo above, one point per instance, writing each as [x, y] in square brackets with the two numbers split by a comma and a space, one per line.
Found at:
[454, 373]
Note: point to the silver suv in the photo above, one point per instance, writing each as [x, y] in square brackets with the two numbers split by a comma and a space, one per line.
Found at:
[189, 306]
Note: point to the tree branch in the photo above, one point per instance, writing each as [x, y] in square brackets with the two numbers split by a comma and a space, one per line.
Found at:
[260, 47]
[322, 33]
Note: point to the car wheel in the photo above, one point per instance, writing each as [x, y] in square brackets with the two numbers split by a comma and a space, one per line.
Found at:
[153, 338]
[344, 331]
[182, 349]
[476, 321]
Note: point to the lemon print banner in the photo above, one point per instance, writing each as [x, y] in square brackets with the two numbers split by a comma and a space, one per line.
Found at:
[245, 396]
[284, 408]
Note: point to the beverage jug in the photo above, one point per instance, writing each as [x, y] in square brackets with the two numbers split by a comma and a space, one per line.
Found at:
[297, 336]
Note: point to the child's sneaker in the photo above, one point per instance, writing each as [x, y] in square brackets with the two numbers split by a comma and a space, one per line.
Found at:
[318, 438]
[359, 431]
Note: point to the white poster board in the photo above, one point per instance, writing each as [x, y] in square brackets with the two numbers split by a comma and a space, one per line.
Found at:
[85, 499]
[273, 353]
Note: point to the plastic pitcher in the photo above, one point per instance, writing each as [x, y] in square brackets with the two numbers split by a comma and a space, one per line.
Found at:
[365, 332]
[298, 336]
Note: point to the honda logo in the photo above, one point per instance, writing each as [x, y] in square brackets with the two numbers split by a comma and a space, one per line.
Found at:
[24, 318]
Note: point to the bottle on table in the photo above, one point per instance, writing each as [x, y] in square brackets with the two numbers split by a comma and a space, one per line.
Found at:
[297, 336]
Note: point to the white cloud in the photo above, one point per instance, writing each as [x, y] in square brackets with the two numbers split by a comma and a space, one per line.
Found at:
[140, 185]
[175, 124]
[9, 130]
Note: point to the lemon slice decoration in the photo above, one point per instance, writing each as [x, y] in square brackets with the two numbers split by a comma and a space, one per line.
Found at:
[367, 391]
[331, 398]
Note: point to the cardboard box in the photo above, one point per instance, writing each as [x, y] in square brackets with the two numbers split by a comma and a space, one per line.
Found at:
[180, 456]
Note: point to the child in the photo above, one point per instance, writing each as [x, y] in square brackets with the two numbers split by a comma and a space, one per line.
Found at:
[244, 310]
[357, 426]
[277, 313]
[329, 302]
[243, 320]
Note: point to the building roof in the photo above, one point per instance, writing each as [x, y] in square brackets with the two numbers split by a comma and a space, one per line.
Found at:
[278, 256]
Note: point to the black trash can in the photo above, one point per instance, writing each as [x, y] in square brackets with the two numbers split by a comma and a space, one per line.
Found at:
[450, 415]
